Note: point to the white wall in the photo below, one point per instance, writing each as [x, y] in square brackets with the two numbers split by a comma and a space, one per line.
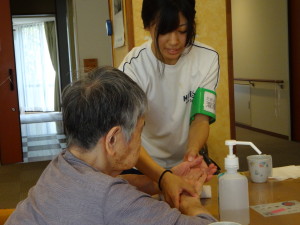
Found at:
[91, 40]
[242, 101]
[260, 51]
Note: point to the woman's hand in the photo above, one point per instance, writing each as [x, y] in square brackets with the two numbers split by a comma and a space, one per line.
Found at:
[191, 155]
[184, 180]
[183, 168]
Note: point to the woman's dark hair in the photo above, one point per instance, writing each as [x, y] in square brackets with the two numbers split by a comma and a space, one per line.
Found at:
[165, 14]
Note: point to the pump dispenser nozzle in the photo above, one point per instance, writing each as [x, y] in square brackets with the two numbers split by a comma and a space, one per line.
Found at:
[230, 143]
[231, 161]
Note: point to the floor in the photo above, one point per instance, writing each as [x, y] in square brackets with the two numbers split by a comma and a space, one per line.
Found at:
[16, 179]
[42, 141]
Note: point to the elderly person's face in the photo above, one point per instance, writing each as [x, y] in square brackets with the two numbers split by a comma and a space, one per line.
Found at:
[129, 152]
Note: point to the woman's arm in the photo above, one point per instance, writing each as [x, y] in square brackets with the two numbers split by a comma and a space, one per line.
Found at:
[142, 183]
[148, 166]
[198, 135]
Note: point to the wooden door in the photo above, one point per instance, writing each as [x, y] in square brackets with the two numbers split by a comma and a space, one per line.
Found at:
[10, 132]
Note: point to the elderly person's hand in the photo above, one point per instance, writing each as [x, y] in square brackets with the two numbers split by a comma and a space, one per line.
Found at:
[173, 186]
[191, 205]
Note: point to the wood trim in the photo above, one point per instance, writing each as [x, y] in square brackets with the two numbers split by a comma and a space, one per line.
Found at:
[262, 131]
[129, 23]
[121, 52]
[109, 2]
[259, 80]
[294, 47]
[230, 69]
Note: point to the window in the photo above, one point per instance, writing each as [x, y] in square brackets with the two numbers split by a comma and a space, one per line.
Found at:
[35, 72]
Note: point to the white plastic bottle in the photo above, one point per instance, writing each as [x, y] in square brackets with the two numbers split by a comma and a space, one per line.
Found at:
[233, 189]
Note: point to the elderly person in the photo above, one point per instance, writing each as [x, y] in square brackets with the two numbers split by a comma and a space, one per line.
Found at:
[103, 115]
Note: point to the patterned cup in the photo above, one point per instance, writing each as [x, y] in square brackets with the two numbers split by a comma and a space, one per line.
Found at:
[260, 167]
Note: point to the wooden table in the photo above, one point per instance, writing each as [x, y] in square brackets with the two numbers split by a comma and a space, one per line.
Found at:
[270, 192]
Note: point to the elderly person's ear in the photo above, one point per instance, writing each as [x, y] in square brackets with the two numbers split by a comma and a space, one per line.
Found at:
[112, 139]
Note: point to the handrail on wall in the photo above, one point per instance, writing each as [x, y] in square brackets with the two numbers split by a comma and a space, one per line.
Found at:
[252, 81]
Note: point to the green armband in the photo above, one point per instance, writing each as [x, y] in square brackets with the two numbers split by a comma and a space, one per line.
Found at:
[204, 102]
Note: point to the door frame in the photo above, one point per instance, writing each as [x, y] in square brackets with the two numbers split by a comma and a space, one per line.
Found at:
[294, 47]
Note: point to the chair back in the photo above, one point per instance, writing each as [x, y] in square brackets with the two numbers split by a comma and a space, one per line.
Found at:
[4, 214]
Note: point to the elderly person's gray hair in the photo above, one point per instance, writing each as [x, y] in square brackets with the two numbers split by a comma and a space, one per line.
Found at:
[103, 99]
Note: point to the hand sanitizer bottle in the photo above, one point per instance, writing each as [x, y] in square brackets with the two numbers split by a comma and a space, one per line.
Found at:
[233, 189]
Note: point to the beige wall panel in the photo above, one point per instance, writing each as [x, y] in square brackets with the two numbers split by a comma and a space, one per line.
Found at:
[140, 35]
[212, 30]
[121, 52]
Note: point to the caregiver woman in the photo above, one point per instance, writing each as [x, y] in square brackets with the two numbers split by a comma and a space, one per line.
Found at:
[179, 77]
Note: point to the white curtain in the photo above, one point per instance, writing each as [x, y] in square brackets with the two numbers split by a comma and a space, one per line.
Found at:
[35, 73]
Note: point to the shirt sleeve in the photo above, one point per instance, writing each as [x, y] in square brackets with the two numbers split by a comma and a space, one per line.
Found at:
[135, 74]
[212, 77]
[126, 67]
[126, 205]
